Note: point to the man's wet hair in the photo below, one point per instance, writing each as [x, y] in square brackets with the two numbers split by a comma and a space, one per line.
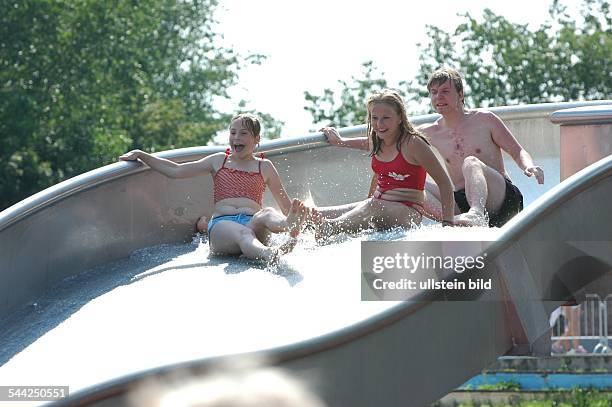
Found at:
[444, 74]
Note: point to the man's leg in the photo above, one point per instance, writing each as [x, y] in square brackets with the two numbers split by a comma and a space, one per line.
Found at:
[485, 190]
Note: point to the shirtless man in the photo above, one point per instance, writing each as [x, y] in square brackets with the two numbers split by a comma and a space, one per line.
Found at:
[471, 144]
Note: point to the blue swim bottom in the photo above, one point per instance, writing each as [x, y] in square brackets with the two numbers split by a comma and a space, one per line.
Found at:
[240, 218]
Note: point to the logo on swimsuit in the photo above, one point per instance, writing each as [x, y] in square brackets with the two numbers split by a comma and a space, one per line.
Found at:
[398, 177]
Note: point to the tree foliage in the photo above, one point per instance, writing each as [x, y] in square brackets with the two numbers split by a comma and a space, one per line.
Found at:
[271, 127]
[502, 63]
[82, 81]
[507, 63]
[349, 107]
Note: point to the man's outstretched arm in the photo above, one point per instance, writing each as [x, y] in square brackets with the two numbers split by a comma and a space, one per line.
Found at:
[506, 141]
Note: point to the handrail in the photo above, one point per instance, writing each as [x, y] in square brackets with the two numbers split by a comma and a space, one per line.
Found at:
[601, 114]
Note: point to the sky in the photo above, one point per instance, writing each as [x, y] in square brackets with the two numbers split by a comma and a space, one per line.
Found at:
[310, 45]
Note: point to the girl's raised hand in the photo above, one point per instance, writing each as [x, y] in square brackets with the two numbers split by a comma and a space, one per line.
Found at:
[332, 135]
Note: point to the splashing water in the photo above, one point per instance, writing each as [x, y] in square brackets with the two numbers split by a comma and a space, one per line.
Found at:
[172, 303]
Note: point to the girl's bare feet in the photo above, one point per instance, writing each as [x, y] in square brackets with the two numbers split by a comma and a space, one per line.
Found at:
[321, 227]
[313, 216]
[295, 220]
[296, 217]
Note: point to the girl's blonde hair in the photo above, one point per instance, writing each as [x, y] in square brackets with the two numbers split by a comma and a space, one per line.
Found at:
[392, 98]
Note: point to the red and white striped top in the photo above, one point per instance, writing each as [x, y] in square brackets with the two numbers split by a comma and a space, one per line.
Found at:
[232, 183]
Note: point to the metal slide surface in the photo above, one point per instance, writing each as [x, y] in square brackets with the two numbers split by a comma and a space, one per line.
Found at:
[553, 251]
[106, 214]
[409, 354]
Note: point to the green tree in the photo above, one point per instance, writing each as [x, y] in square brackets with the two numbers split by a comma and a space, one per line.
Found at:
[347, 108]
[506, 63]
[271, 127]
[502, 62]
[82, 81]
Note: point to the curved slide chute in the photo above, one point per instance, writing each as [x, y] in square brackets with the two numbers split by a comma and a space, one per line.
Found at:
[417, 351]
[389, 359]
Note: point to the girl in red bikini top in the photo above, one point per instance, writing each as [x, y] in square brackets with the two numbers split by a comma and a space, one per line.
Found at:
[394, 144]
[232, 183]
[241, 225]
[398, 173]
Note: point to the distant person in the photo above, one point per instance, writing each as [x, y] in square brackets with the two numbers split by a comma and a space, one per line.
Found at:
[568, 317]
[239, 224]
[401, 158]
[471, 144]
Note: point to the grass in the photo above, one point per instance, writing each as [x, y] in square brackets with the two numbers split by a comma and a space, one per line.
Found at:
[577, 397]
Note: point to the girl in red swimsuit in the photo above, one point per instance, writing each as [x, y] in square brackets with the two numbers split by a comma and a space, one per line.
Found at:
[239, 224]
[401, 159]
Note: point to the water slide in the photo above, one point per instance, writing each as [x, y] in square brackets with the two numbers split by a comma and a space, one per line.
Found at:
[389, 358]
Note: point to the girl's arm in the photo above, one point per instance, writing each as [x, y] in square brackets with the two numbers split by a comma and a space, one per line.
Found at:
[372, 186]
[273, 182]
[421, 153]
[170, 168]
[334, 138]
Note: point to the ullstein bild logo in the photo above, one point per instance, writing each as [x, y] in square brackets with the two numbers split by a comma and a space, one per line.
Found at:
[401, 270]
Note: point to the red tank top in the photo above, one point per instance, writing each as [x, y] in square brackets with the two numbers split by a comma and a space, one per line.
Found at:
[232, 183]
[398, 173]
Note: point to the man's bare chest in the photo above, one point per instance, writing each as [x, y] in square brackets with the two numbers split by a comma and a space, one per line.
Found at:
[456, 145]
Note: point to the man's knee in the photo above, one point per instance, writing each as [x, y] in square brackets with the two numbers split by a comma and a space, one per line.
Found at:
[471, 163]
